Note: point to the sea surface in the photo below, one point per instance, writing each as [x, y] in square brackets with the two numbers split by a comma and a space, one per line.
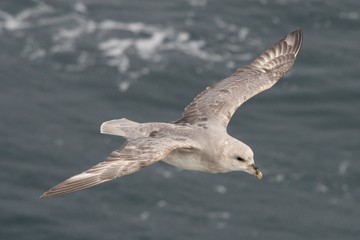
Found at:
[68, 66]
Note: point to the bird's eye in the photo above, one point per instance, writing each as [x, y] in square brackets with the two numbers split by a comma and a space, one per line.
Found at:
[240, 159]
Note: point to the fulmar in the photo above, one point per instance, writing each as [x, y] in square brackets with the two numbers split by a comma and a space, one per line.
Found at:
[198, 140]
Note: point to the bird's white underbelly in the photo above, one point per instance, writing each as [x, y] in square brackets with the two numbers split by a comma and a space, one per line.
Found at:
[187, 160]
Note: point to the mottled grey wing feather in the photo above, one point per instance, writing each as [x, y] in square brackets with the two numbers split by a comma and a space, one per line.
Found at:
[131, 157]
[218, 102]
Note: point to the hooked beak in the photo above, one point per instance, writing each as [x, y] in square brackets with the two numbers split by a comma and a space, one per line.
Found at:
[256, 171]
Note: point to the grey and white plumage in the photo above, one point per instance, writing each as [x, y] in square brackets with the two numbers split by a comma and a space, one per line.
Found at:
[198, 140]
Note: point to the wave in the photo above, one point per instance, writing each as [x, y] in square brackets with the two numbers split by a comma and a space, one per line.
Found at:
[73, 41]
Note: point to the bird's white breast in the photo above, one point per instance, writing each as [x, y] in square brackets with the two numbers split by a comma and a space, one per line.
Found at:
[189, 160]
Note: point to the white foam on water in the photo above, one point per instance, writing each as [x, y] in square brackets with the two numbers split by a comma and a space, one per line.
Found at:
[124, 86]
[146, 43]
[144, 216]
[243, 33]
[197, 3]
[22, 19]
[135, 27]
[278, 178]
[349, 15]
[80, 7]
[161, 203]
[224, 215]
[10, 22]
[115, 47]
[32, 50]
[220, 189]
[322, 188]
[343, 167]
[147, 47]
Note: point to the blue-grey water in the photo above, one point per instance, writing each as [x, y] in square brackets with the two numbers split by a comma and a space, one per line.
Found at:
[68, 66]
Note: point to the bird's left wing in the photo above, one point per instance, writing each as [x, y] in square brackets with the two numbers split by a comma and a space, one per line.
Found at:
[131, 157]
[218, 102]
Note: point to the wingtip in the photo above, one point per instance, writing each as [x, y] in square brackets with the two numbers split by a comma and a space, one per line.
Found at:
[53, 193]
[44, 195]
[295, 39]
[280, 57]
[47, 194]
[50, 194]
[298, 29]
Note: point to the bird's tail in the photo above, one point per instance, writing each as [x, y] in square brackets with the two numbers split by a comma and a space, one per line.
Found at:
[130, 129]
[120, 127]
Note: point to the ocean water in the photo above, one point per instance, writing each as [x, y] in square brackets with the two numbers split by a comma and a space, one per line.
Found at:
[68, 66]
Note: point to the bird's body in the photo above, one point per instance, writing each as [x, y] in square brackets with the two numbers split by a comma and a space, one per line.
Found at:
[190, 159]
[196, 158]
[198, 140]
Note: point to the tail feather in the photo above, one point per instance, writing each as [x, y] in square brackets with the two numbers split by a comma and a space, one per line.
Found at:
[119, 127]
[130, 129]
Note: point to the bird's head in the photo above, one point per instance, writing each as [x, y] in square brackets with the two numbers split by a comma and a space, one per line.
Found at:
[240, 157]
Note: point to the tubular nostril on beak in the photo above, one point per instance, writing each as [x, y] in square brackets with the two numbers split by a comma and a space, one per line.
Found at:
[257, 173]
[255, 166]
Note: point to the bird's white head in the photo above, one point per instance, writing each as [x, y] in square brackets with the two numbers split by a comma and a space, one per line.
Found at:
[239, 157]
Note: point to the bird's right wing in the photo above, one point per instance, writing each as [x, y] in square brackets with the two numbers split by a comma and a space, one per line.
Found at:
[131, 157]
